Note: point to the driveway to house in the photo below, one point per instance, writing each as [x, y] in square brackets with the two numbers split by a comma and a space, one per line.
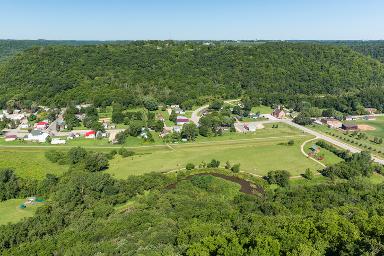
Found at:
[196, 115]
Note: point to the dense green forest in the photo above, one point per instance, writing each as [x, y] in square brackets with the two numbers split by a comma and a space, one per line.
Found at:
[88, 212]
[9, 48]
[173, 72]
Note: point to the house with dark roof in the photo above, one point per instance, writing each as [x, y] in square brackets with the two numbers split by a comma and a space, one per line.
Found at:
[350, 127]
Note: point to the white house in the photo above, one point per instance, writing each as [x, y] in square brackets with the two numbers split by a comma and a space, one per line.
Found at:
[37, 136]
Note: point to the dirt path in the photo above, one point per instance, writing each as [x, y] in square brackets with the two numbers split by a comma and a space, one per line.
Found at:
[303, 151]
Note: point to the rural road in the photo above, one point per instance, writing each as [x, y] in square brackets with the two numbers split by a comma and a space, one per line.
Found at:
[197, 113]
[330, 140]
[196, 117]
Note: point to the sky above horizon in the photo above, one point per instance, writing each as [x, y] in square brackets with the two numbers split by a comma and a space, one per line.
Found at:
[192, 19]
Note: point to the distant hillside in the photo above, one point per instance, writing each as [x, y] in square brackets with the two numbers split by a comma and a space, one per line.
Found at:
[173, 72]
[11, 47]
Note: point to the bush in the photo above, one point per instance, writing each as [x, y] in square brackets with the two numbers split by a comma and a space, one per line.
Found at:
[235, 168]
[190, 166]
[125, 153]
[279, 177]
[291, 142]
[308, 174]
[76, 155]
[54, 156]
[214, 164]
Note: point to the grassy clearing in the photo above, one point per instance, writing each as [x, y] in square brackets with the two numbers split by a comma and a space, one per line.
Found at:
[257, 156]
[29, 162]
[262, 109]
[11, 213]
[329, 157]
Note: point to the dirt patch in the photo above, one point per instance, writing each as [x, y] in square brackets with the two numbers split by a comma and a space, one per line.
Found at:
[245, 186]
[365, 127]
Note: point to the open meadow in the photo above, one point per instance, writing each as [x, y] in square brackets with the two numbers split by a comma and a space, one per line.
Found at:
[258, 153]
[10, 212]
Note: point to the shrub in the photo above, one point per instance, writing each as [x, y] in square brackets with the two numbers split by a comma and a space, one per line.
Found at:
[190, 166]
[235, 168]
[214, 164]
[125, 153]
[279, 177]
[291, 142]
[308, 174]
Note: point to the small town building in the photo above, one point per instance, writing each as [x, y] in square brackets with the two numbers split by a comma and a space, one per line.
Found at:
[371, 111]
[370, 117]
[278, 112]
[349, 127]
[37, 136]
[177, 129]
[10, 137]
[181, 120]
[332, 122]
[41, 125]
[90, 135]
[58, 141]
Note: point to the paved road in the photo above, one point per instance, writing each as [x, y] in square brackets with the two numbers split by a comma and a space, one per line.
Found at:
[330, 140]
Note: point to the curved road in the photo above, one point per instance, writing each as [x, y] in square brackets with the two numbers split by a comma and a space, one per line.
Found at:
[196, 117]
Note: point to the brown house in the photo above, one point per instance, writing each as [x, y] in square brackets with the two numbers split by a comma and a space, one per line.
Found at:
[278, 112]
[350, 127]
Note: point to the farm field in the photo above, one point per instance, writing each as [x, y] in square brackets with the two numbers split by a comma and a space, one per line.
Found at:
[257, 156]
[29, 162]
[11, 213]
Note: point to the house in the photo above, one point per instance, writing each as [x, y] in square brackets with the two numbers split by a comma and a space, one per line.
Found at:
[160, 117]
[177, 129]
[315, 149]
[350, 127]
[41, 125]
[349, 118]
[90, 135]
[278, 112]
[250, 127]
[179, 111]
[37, 136]
[371, 111]
[181, 120]
[332, 122]
[165, 132]
[24, 126]
[370, 117]
[10, 137]
[57, 141]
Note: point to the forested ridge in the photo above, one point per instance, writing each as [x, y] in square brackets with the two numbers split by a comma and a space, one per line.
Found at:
[170, 72]
[92, 213]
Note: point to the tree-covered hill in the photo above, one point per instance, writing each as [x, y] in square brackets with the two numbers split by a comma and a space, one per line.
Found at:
[11, 47]
[172, 72]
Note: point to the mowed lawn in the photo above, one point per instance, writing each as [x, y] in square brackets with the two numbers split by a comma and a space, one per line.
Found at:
[29, 162]
[10, 211]
[329, 157]
[258, 156]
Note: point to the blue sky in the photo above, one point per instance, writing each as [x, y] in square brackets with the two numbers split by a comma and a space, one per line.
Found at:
[191, 19]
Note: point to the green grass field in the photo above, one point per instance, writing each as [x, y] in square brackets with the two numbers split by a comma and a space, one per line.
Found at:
[11, 213]
[262, 109]
[29, 162]
[257, 155]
